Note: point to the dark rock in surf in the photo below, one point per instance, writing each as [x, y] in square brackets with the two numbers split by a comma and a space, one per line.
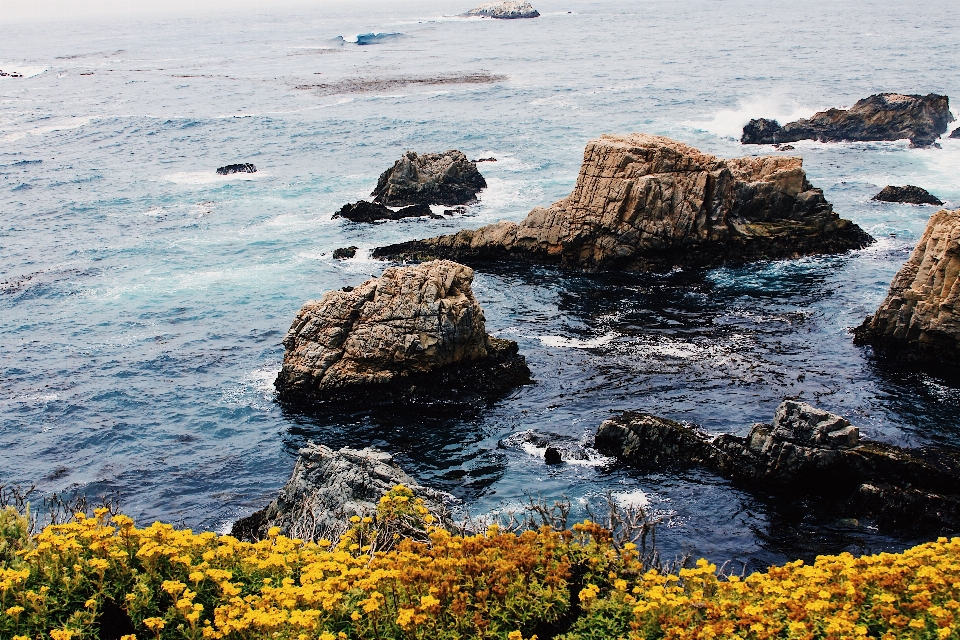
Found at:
[415, 336]
[485, 160]
[236, 168]
[552, 456]
[344, 253]
[645, 202]
[446, 178]
[956, 133]
[907, 195]
[805, 452]
[504, 10]
[884, 116]
[557, 448]
[327, 488]
[364, 211]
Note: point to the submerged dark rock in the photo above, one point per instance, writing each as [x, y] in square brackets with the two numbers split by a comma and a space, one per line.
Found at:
[805, 452]
[884, 116]
[919, 320]
[446, 178]
[364, 211]
[556, 448]
[415, 336]
[907, 195]
[343, 253]
[645, 202]
[236, 168]
[504, 10]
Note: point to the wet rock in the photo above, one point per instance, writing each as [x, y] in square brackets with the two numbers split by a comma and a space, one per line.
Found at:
[552, 456]
[326, 488]
[908, 195]
[431, 178]
[956, 133]
[646, 202]
[414, 336]
[884, 116]
[236, 168]
[805, 452]
[485, 160]
[504, 10]
[364, 211]
[920, 318]
[454, 211]
[343, 253]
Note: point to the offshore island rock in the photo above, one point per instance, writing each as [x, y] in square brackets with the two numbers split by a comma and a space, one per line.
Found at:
[326, 488]
[364, 211]
[414, 336]
[920, 318]
[447, 178]
[884, 116]
[805, 452]
[504, 10]
[907, 195]
[646, 202]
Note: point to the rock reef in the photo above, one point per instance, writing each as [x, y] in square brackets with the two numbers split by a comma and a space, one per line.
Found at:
[884, 116]
[326, 488]
[364, 211]
[907, 195]
[504, 10]
[414, 336]
[920, 318]
[805, 452]
[236, 168]
[447, 178]
[647, 202]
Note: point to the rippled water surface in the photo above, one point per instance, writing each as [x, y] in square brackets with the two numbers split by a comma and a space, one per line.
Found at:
[143, 297]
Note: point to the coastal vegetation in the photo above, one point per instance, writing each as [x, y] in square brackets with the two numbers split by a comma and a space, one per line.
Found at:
[397, 575]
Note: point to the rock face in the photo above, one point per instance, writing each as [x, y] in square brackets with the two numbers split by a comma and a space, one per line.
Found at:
[908, 195]
[236, 168]
[504, 10]
[647, 202]
[805, 452]
[415, 335]
[364, 211]
[447, 178]
[885, 116]
[326, 488]
[920, 318]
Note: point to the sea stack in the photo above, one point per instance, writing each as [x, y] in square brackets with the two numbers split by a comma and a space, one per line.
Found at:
[414, 336]
[908, 194]
[447, 178]
[504, 10]
[920, 318]
[645, 202]
[884, 116]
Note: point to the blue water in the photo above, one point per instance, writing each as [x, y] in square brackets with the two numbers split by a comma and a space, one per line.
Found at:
[143, 297]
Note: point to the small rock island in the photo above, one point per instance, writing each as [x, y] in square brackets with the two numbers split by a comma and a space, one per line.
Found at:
[504, 10]
[908, 194]
[447, 178]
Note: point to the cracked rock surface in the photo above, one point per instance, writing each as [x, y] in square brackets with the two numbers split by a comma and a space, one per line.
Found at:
[447, 178]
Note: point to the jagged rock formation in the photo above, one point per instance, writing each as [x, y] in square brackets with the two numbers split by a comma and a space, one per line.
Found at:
[236, 168]
[326, 488]
[805, 452]
[504, 10]
[364, 211]
[920, 318]
[344, 252]
[955, 133]
[415, 335]
[907, 195]
[447, 178]
[647, 202]
[884, 116]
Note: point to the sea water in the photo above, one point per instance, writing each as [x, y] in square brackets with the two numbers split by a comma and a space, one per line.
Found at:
[143, 297]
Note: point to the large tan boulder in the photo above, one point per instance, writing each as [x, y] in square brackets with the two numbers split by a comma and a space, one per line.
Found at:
[413, 334]
[646, 202]
[920, 318]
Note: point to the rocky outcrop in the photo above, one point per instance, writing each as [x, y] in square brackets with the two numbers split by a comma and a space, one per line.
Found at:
[344, 253]
[364, 211]
[431, 178]
[907, 195]
[920, 318]
[504, 10]
[805, 452]
[884, 116]
[413, 336]
[647, 202]
[236, 168]
[326, 488]
[956, 133]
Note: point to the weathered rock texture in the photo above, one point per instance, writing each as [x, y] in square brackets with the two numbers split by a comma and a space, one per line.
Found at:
[920, 318]
[885, 116]
[907, 195]
[504, 10]
[364, 211]
[431, 178]
[414, 335]
[805, 452]
[326, 488]
[647, 202]
[236, 168]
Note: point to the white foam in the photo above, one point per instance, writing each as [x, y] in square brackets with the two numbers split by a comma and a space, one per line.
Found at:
[635, 498]
[59, 125]
[573, 343]
[728, 123]
[209, 177]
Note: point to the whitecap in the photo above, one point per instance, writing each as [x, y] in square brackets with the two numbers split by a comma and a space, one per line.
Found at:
[574, 343]
[209, 177]
[728, 123]
[635, 498]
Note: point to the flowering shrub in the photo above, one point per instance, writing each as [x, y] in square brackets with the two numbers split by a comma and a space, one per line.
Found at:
[69, 580]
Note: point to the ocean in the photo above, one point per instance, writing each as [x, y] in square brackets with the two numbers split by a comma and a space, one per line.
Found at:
[143, 297]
